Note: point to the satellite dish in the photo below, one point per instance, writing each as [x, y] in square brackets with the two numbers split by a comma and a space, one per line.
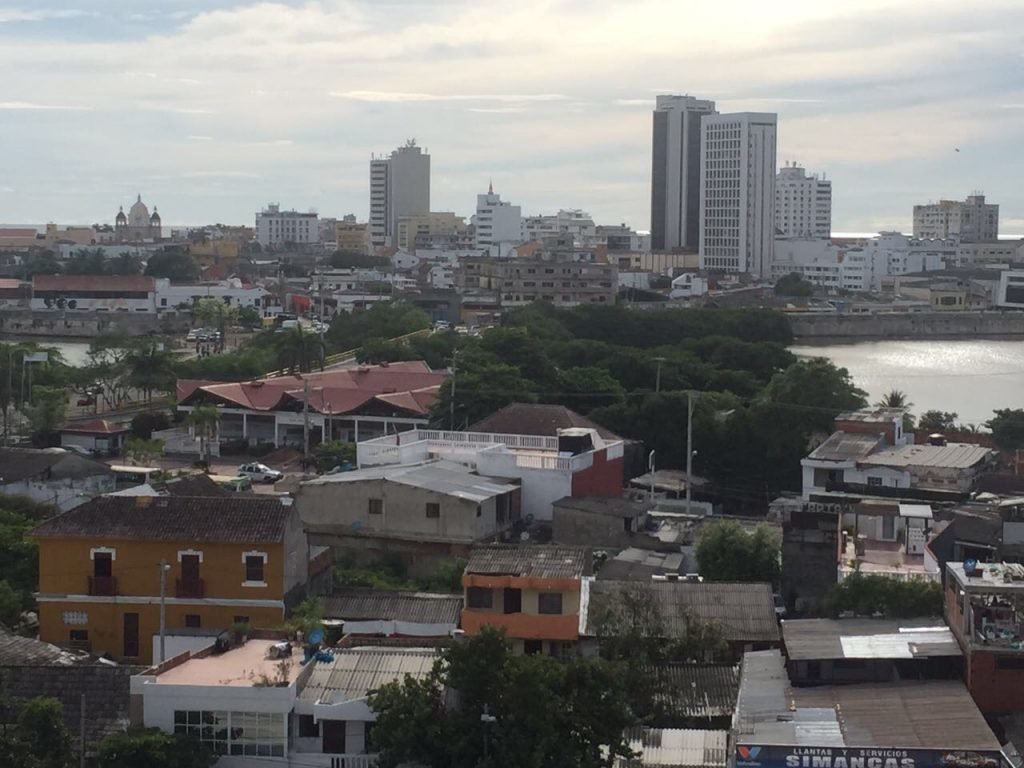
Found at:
[524, 536]
[970, 566]
[316, 636]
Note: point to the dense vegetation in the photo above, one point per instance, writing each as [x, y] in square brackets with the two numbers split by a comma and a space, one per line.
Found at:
[870, 595]
[19, 555]
[727, 551]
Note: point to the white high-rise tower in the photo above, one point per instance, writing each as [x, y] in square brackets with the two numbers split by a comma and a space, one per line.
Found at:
[737, 183]
[399, 187]
[803, 203]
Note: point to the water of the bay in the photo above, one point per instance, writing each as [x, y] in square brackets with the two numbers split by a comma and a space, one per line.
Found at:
[968, 377]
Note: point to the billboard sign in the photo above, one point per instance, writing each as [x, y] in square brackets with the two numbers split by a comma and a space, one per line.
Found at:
[775, 756]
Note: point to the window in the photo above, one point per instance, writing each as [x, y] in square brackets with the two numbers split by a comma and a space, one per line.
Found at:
[192, 621]
[376, 506]
[261, 734]
[549, 603]
[308, 727]
[78, 636]
[874, 481]
[254, 568]
[433, 509]
[531, 647]
[479, 597]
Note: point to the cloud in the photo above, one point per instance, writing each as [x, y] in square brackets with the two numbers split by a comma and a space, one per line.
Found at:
[220, 174]
[199, 138]
[18, 105]
[398, 96]
[496, 110]
[11, 15]
[635, 102]
[269, 143]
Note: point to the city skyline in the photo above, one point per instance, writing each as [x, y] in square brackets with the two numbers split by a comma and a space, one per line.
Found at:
[212, 109]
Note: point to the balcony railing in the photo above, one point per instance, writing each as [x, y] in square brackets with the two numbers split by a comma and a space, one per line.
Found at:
[105, 586]
[194, 588]
[327, 760]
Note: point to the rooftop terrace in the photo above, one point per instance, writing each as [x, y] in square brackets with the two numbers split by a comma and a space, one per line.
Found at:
[243, 666]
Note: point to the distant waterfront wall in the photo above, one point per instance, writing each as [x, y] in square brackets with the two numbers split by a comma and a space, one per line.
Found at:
[909, 325]
[86, 325]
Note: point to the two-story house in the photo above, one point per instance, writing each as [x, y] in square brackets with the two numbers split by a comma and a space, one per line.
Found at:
[106, 566]
[53, 476]
[530, 591]
[423, 512]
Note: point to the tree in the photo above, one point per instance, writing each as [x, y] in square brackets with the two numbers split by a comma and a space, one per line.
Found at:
[204, 423]
[334, 453]
[347, 259]
[86, 261]
[11, 605]
[173, 263]
[47, 412]
[44, 263]
[375, 351]
[584, 389]
[793, 284]
[153, 749]
[150, 368]
[540, 712]
[384, 320]
[726, 551]
[19, 558]
[1007, 427]
[301, 351]
[41, 730]
[141, 451]
[481, 386]
[939, 421]
[894, 398]
[870, 595]
[249, 317]
[145, 424]
[125, 264]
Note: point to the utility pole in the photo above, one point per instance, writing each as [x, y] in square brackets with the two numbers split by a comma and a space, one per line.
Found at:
[305, 424]
[451, 395]
[81, 732]
[164, 567]
[689, 446]
[657, 376]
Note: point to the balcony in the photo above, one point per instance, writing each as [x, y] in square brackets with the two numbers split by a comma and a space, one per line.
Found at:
[102, 586]
[193, 588]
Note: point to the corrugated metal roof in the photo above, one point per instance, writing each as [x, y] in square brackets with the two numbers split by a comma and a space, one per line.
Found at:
[363, 604]
[444, 477]
[841, 446]
[699, 690]
[18, 651]
[820, 639]
[746, 612]
[872, 415]
[912, 714]
[535, 560]
[676, 748]
[356, 672]
[951, 455]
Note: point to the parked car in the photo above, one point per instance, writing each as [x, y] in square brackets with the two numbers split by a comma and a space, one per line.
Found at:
[260, 473]
[87, 400]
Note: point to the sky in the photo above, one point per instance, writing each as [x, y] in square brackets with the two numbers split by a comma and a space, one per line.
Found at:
[210, 109]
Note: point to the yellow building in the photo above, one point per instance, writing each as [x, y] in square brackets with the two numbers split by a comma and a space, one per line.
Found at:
[228, 560]
[214, 251]
[428, 225]
[351, 236]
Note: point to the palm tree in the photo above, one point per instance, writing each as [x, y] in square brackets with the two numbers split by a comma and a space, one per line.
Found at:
[204, 421]
[301, 350]
[896, 398]
[150, 368]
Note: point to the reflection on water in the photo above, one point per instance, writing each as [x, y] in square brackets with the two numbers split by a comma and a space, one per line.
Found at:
[970, 378]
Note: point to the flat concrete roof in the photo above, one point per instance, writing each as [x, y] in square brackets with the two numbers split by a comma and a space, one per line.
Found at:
[242, 666]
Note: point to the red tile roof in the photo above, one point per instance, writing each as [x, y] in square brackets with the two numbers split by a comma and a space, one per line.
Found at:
[95, 427]
[133, 283]
[17, 232]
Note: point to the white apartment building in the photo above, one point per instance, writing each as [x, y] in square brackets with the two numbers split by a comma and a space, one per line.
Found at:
[675, 171]
[737, 183]
[232, 292]
[568, 221]
[399, 188]
[859, 268]
[622, 238]
[497, 223]
[989, 253]
[970, 221]
[803, 203]
[274, 226]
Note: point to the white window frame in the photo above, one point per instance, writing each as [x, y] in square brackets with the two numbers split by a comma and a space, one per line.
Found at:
[255, 553]
[196, 552]
[93, 551]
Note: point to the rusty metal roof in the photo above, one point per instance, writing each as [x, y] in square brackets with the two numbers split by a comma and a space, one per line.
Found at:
[356, 672]
[818, 639]
[366, 604]
[537, 561]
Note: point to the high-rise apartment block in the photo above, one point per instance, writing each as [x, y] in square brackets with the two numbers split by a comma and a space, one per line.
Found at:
[971, 221]
[277, 227]
[497, 223]
[399, 188]
[675, 172]
[737, 185]
[803, 203]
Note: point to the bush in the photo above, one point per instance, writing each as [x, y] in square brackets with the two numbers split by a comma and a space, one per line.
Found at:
[145, 424]
[893, 598]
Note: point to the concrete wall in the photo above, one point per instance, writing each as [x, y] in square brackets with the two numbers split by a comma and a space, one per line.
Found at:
[574, 527]
[345, 506]
[81, 324]
[934, 325]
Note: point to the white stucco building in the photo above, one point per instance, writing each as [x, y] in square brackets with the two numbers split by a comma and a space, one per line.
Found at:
[399, 188]
[568, 221]
[232, 292]
[275, 227]
[737, 182]
[497, 222]
[970, 221]
[803, 203]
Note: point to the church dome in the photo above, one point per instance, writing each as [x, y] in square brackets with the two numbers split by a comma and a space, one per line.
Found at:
[121, 218]
[138, 214]
[155, 218]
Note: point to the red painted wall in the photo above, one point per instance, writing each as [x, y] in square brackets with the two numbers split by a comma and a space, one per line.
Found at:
[602, 478]
[996, 690]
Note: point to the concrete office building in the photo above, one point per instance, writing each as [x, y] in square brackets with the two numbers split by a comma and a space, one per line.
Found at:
[497, 223]
[399, 188]
[971, 221]
[675, 172]
[737, 183]
[803, 203]
[275, 227]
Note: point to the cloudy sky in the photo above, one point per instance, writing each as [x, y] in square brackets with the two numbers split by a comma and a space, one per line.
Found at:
[211, 108]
